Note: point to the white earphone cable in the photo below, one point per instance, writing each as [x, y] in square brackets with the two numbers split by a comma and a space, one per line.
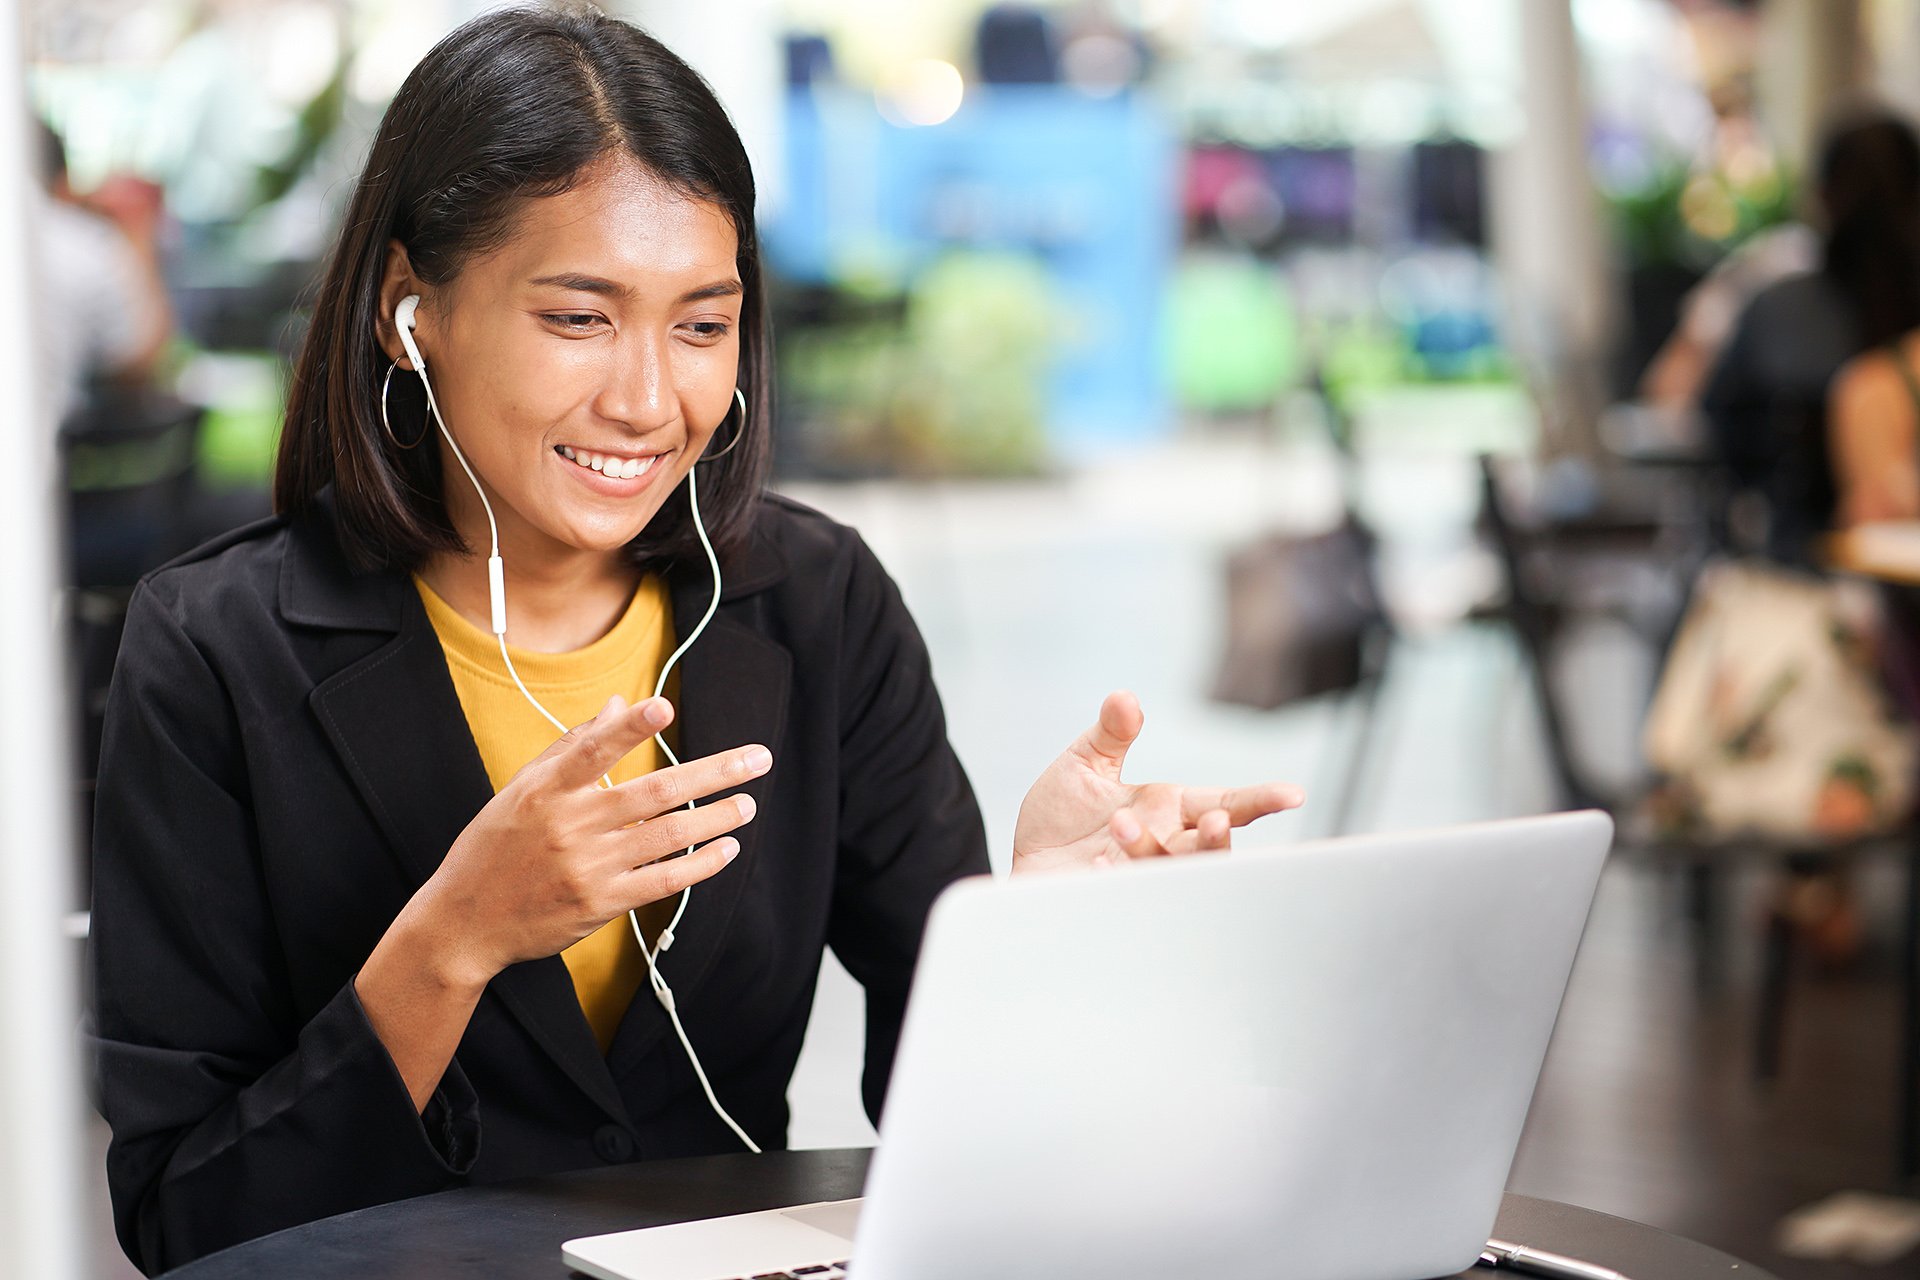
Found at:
[496, 591]
[661, 991]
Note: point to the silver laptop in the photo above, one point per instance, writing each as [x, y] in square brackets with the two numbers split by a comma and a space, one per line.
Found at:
[1311, 1060]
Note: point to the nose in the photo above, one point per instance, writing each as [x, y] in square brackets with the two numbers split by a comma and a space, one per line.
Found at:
[637, 389]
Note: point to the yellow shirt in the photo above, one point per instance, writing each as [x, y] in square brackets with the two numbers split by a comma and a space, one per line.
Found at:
[607, 966]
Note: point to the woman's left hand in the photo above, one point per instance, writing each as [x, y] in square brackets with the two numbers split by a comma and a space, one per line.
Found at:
[1080, 813]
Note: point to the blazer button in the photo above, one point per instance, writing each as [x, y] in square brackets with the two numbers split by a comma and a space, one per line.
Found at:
[611, 1143]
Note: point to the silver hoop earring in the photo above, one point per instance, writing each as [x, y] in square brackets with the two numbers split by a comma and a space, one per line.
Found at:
[739, 398]
[385, 422]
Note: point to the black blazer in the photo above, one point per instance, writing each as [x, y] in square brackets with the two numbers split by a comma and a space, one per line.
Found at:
[285, 761]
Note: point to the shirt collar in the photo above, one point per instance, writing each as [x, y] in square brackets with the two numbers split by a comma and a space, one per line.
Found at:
[319, 588]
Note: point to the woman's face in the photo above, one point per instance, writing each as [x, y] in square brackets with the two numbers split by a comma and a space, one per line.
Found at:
[606, 330]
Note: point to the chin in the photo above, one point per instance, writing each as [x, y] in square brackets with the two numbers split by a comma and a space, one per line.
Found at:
[603, 535]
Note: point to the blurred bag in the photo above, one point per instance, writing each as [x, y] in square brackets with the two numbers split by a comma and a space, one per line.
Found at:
[1771, 717]
[1300, 613]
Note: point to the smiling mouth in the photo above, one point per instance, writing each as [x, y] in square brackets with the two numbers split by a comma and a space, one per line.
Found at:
[611, 465]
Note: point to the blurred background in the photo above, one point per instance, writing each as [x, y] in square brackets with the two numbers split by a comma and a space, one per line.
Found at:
[1392, 393]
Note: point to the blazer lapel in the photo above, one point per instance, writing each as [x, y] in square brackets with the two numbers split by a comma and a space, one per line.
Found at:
[397, 724]
[734, 685]
[395, 720]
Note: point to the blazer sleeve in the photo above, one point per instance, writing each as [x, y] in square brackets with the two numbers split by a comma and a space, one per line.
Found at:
[232, 1114]
[909, 822]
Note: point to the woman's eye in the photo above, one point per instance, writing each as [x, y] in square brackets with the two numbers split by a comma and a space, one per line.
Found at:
[711, 330]
[578, 321]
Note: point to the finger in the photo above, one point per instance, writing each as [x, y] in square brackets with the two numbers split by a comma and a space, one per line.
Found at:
[1119, 724]
[1133, 837]
[1243, 804]
[674, 787]
[679, 829]
[662, 880]
[589, 751]
[1214, 832]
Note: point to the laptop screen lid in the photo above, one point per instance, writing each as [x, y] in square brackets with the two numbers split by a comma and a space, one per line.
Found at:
[1311, 1060]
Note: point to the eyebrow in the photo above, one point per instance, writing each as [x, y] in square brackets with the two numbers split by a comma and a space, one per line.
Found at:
[614, 289]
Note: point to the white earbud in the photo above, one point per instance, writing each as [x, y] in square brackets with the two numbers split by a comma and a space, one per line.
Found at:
[403, 321]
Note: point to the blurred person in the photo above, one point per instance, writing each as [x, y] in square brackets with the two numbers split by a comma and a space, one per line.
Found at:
[1873, 431]
[1679, 370]
[366, 923]
[1766, 400]
[1676, 375]
[1874, 414]
[1767, 408]
[102, 276]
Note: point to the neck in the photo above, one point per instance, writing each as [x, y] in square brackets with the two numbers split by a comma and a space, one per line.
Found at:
[559, 598]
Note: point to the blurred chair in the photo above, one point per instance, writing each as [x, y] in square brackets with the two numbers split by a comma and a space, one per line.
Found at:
[127, 466]
[1306, 619]
[1621, 560]
[1544, 592]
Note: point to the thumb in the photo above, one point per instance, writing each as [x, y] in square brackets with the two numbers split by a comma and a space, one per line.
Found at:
[1105, 744]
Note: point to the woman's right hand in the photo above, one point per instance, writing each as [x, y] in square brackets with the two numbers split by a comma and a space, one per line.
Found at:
[554, 855]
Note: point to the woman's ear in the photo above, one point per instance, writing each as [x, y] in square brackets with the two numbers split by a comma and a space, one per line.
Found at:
[396, 282]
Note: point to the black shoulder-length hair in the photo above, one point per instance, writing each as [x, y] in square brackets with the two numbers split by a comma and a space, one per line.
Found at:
[512, 105]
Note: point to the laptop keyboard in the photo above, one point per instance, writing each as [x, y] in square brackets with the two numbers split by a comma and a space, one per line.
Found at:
[825, 1271]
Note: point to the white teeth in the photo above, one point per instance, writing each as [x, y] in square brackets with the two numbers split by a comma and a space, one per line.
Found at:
[617, 468]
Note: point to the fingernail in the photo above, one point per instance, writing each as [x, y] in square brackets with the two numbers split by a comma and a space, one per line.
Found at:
[655, 712]
[759, 760]
[747, 806]
[1125, 828]
[613, 704]
[729, 851]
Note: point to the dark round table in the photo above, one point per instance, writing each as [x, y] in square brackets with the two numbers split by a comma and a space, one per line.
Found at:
[515, 1228]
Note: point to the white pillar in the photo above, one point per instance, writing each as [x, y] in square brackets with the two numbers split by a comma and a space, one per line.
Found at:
[1810, 58]
[1892, 35]
[1549, 245]
[40, 1136]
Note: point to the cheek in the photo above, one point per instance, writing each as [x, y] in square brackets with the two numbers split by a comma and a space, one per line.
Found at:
[707, 381]
[530, 385]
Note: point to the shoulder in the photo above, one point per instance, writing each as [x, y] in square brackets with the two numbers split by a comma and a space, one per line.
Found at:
[1871, 387]
[829, 586]
[800, 527]
[811, 547]
[241, 565]
[1800, 297]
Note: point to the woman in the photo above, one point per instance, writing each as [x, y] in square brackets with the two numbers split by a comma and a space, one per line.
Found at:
[1767, 402]
[362, 923]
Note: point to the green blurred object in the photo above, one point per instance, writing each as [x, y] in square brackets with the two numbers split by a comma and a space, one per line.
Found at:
[244, 397]
[1691, 218]
[978, 330]
[1233, 341]
[1362, 356]
[947, 377]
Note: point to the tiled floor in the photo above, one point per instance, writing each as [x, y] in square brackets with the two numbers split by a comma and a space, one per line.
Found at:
[1037, 598]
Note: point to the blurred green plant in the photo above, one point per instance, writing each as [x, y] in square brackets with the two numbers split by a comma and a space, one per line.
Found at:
[1691, 217]
[951, 380]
